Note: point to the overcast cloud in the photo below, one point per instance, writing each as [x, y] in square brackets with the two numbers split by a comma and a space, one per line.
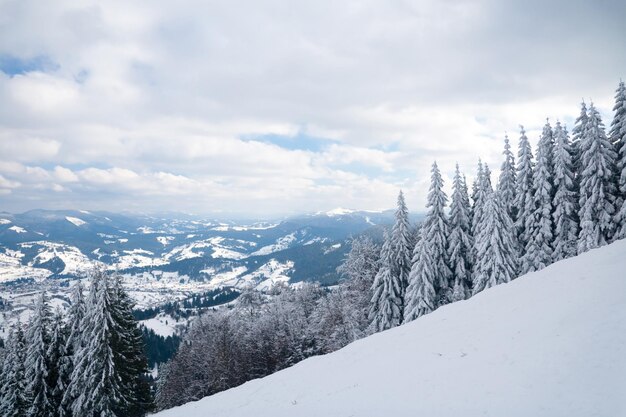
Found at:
[275, 107]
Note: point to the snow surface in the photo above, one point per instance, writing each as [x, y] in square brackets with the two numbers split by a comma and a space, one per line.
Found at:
[17, 229]
[551, 343]
[75, 221]
[282, 243]
[5, 221]
[163, 324]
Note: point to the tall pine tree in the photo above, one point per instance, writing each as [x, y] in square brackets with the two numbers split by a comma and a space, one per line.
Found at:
[434, 241]
[496, 247]
[565, 198]
[401, 248]
[597, 186]
[14, 398]
[617, 135]
[460, 242]
[507, 182]
[73, 344]
[129, 355]
[538, 249]
[524, 200]
[37, 361]
[96, 383]
[386, 306]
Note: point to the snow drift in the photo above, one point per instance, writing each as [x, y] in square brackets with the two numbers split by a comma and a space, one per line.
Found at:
[551, 343]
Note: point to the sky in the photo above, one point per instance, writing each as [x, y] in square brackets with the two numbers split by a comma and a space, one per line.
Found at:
[280, 107]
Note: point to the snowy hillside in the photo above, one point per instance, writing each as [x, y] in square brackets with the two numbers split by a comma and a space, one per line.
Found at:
[551, 343]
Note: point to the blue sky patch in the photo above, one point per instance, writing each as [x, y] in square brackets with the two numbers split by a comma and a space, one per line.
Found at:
[300, 141]
[13, 65]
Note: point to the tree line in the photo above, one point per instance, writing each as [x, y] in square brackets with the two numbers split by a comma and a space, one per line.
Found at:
[87, 363]
[565, 200]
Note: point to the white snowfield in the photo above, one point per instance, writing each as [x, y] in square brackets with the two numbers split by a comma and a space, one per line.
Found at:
[551, 343]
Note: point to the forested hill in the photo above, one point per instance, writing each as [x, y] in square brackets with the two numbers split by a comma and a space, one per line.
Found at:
[550, 343]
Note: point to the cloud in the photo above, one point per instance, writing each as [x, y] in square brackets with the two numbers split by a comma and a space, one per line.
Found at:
[273, 107]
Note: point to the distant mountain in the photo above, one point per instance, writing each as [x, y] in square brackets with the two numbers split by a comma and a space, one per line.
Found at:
[170, 257]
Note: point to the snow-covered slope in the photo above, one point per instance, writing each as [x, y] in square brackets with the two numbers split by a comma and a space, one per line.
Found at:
[551, 343]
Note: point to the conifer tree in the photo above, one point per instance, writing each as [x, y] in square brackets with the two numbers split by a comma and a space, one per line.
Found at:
[14, 399]
[37, 362]
[421, 293]
[56, 351]
[524, 199]
[386, 307]
[460, 242]
[73, 343]
[478, 196]
[401, 248]
[496, 262]
[538, 250]
[432, 255]
[617, 136]
[565, 199]
[96, 382]
[130, 360]
[507, 182]
[580, 126]
[597, 186]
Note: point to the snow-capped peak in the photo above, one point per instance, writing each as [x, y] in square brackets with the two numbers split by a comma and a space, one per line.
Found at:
[339, 211]
[75, 221]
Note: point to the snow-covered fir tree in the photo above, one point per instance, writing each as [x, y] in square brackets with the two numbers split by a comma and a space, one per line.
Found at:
[565, 198]
[387, 292]
[478, 196]
[129, 356]
[476, 183]
[497, 253]
[617, 136]
[73, 343]
[434, 241]
[14, 398]
[538, 250]
[401, 249]
[507, 187]
[460, 241]
[37, 363]
[56, 352]
[597, 185]
[96, 382]
[524, 198]
[580, 126]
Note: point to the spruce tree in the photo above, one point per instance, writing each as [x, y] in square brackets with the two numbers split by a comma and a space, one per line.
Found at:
[386, 306]
[431, 266]
[478, 196]
[565, 198]
[507, 182]
[130, 359]
[597, 186]
[524, 199]
[617, 136]
[96, 382]
[73, 343]
[496, 262]
[14, 399]
[580, 126]
[460, 242]
[37, 361]
[538, 250]
[56, 352]
[401, 248]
